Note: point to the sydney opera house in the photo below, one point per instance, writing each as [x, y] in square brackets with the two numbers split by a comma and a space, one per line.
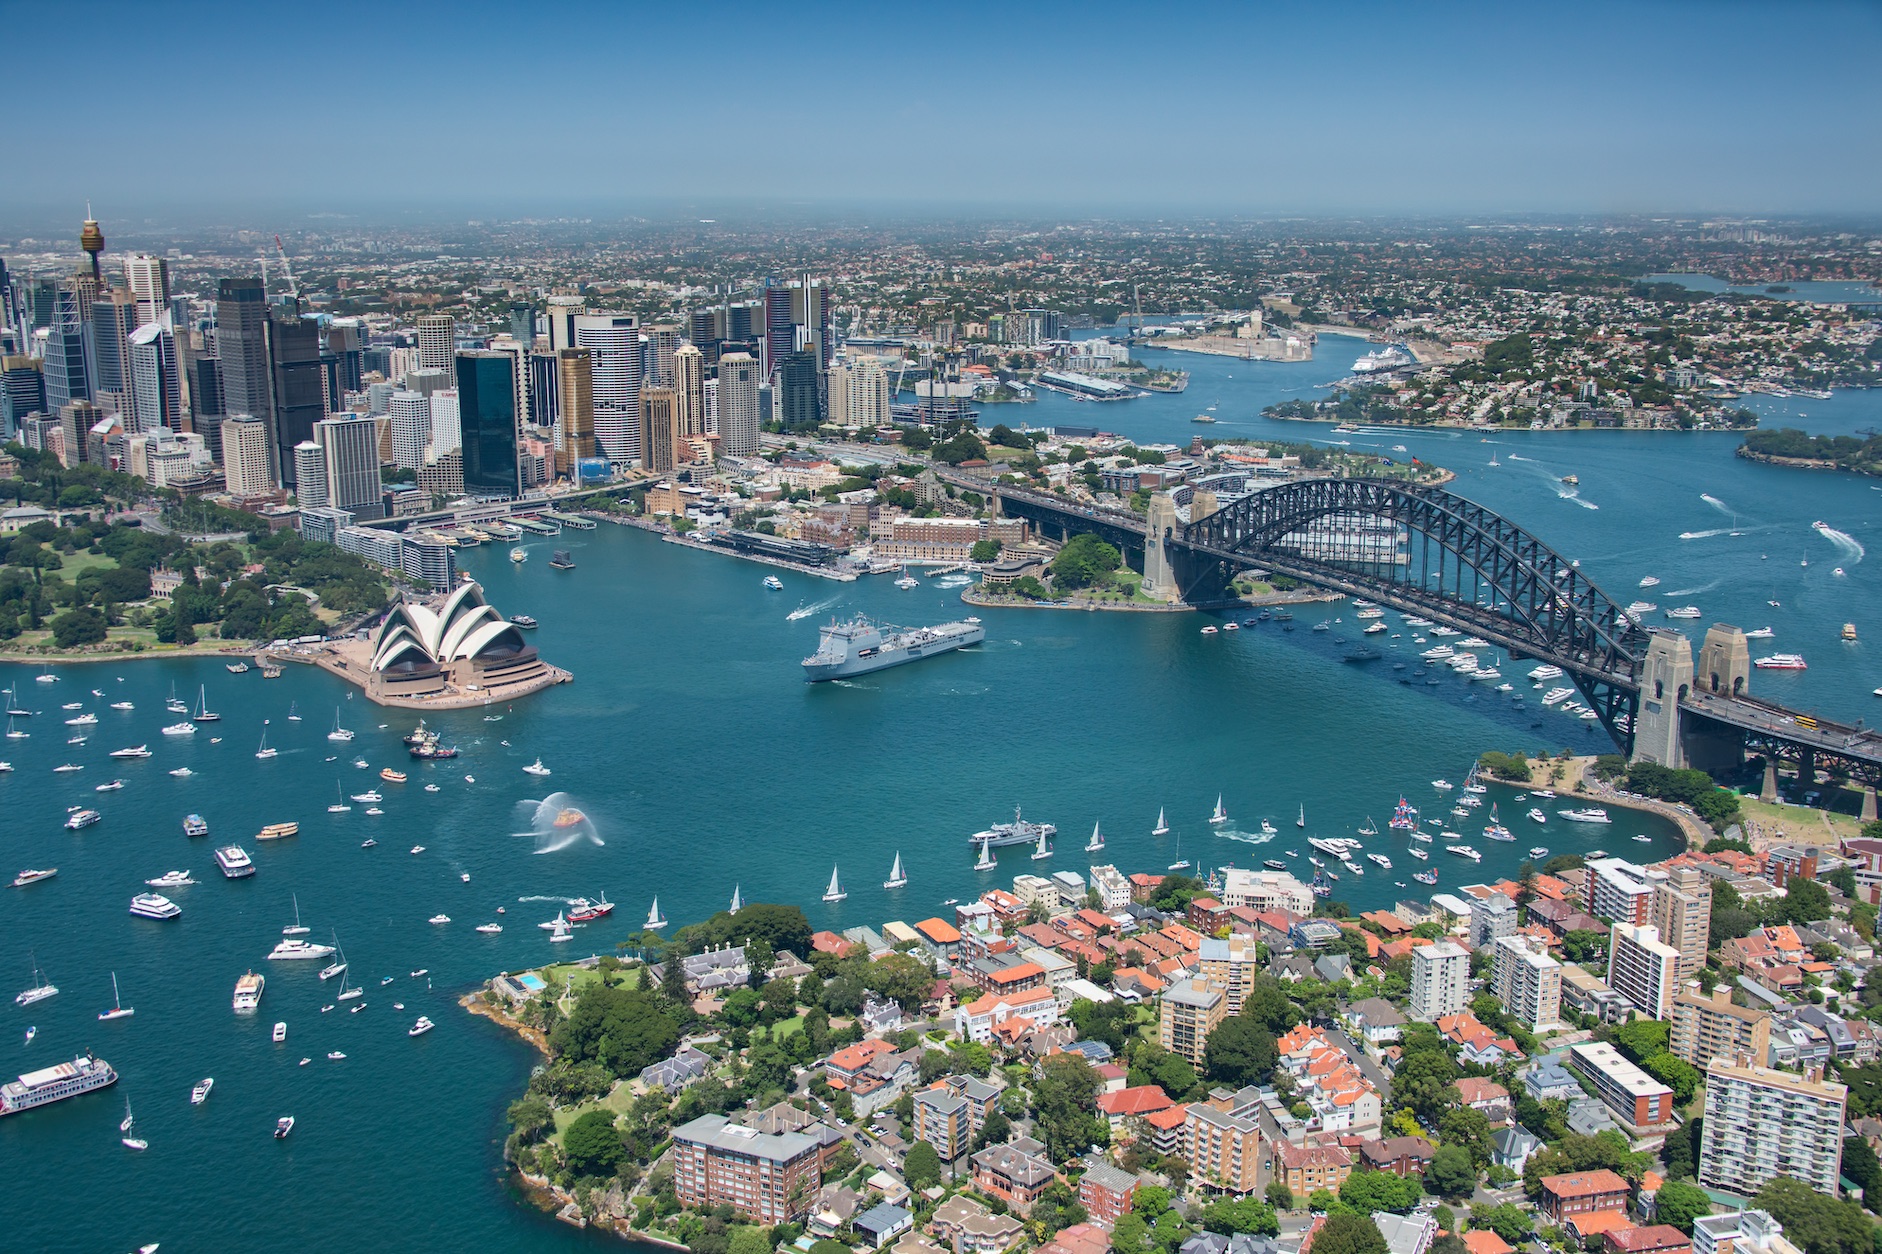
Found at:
[461, 648]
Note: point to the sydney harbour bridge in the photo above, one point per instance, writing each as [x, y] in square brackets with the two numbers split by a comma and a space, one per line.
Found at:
[1431, 553]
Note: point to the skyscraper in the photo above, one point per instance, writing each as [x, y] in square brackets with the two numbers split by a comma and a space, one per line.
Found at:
[810, 311]
[436, 342]
[575, 428]
[351, 446]
[662, 342]
[245, 461]
[689, 384]
[859, 393]
[149, 278]
[67, 377]
[659, 430]
[411, 428]
[780, 329]
[91, 239]
[800, 398]
[523, 323]
[739, 420]
[618, 359]
[447, 429]
[242, 349]
[22, 392]
[1682, 911]
[299, 393]
[1528, 981]
[113, 318]
[491, 429]
[156, 378]
[310, 475]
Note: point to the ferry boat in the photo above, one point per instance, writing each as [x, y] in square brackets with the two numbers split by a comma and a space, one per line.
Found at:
[33, 877]
[1781, 662]
[235, 862]
[860, 646]
[195, 825]
[1019, 832]
[519, 555]
[1684, 611]
[80, 819]
[154, 906]
[248, 991]
[278, 831]
[84, 1074]
[1593, 814]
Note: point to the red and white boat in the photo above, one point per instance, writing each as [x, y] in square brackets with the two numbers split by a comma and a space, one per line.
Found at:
[582, 910]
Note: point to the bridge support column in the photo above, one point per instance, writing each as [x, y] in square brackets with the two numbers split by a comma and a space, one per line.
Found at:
[1159, 576]
[1665, 679]
[1724, 662]
[1868, 804]
[1769, 792]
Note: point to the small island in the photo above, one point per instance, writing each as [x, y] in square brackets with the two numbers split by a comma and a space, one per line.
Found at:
[1791, 447]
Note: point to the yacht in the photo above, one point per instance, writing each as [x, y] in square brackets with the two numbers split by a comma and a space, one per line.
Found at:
[907, 581]
[339, 733]
[1650, 581]
[1381, 859]
[1538, 851]
[1181, 863]
[898, 878]
[280, 1032]
[154, 906]
[1545, 672]
[439, 919]
[80, 819]
[774, 583]
[38, 992]
[1302, 820]
[195, 825]
[180, 729]
[582, 910]
[1464, 851]
[1094, 845]
[137, 751]
[370, 796]
[1684, 611]
[1162, 828]
[1547, 794]
[283, 1126]
[1555, 694]
[1536, 814]
[235, 862]
[33, 877]
[1425, 877]
[264, 752]
[1044, 850]
[1269, 829]
[295, 948]
[171, 879]
[1442, 785]
[536, 768]
[248, 992]
[657, 922]
[122, 705]
[1593, 814]
[200, 1093]
[1219, 816]
[1645, 840]
[490, 929]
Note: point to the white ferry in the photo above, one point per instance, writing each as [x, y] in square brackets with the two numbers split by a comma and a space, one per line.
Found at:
[1545, 672]
[81, 819]
[1684, 611]
[1781, 662]
[83, 1074]
[235, 862]
[154, 906]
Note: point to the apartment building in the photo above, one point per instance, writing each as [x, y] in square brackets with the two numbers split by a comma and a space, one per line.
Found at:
[1634, 1098]
[1224, 1149]
[1304, 1168]
[1681, 910]
[1704, 1027]
[1616, 889]
[1528, 981]
[1761, 1123]
[1187, 1012]
[1740, 1232]
[1643, 969]
[1582, 1193]
[1440, 983]
[1233, 963]
[769, 1177]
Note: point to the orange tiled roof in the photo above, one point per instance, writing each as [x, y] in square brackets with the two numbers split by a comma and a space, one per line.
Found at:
[1484, 1241]
[1141, 1100]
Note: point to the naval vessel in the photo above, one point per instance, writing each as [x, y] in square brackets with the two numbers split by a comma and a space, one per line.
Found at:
[860, 646]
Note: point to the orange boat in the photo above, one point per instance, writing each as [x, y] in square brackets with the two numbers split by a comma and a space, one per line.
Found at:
[569, 817]
[391, 776]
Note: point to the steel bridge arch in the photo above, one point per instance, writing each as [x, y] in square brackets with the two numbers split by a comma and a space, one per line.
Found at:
[1549, 608]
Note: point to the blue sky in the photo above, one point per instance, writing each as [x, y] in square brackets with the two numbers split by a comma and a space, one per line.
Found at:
[214, 109]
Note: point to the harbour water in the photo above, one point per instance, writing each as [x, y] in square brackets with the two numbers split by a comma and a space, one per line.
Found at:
[706, 762]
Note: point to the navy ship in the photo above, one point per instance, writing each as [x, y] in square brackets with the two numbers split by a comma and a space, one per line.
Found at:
[860, 646]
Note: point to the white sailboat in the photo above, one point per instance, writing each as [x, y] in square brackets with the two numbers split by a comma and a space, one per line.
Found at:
[1302, 820]
[264, 751]
[737, 901]
[203, 713]
[118, 1009]
[835, 892]
[338, 733]
[1162, 828]
[986, 861]
[1220, 816]
[1097, 839]
[295, 929]
[129, 1129]
[898, 878]
[1042, 851]
[294, 715]
[655, 922]
[336, 968]
[1181, 863]
[339, 805]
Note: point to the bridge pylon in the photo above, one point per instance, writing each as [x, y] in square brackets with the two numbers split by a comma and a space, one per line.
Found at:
[1159, 575]
[1665, 679]
[1724, 662]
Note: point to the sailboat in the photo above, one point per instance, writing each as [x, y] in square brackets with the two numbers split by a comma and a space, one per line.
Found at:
[294, 712]
[175, 704]
[987, 861]
[14, 733]
[898, 878]
[1370, 829]
[264, 751]
[118, 1009]
[835, 892]
[655, 922]
[738, 902]
[295, 929]
[39, 991]
[1302, 820]
[1220, 816]
[338, 733]
[1181, 863]
[203, 713]
[1097, 839]
[1162, 828]
[1042, 851]
[128, 1128]
[339, 805]
[346, 993]
[336, 968]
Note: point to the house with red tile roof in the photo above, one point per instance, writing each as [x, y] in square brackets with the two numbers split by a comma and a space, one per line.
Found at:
[976, 1020]
[1327, 1079]
[1485, 1095]
[1043, 935]
[1131, 1103]
[1477, 1043]
[1144, 887]
[1386, 922]
[829, 943]
[1111, 1077]
[1484, 1241]
[1651, 1239]
[1582, 1193]
[1005, 906]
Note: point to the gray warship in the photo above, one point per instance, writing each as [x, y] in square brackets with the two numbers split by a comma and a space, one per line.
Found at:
[860, 646]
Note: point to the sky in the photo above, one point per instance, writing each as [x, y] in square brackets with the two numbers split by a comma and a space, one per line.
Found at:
[216, 110]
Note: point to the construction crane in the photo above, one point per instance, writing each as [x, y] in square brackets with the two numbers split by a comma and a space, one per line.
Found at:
[294, 288]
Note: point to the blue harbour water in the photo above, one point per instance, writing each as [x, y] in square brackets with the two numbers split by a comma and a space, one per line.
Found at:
[705, 762]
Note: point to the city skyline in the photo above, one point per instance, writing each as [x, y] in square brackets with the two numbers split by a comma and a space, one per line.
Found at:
[1352, 109]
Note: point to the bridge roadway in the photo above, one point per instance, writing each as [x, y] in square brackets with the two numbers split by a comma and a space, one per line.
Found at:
[1859, 748]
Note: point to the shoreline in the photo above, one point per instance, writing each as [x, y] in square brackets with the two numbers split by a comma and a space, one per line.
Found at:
[1466, 426]
[1801, 463]
[972, 595]
[221, 649]
[1696, 831]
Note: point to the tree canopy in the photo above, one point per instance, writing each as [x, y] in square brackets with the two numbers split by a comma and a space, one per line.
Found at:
[1816, 1222]
[1679, 1203]
[1084, 562]
[1239, 1052]
[623, 1029]
[1349, 1234]
[592, 1145]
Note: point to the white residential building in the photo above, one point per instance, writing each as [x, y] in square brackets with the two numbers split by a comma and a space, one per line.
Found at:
[1761, 1123]
[1114, 891]
[1643, 970]
[1265, 891]
[1440, 983]
[1528, 981]
[245, 456]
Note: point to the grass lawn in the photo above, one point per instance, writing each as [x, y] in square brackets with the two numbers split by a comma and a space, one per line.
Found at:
[584, 976]
[618, 1100]
[75, 564]
[786, 1027]
[1815, 827]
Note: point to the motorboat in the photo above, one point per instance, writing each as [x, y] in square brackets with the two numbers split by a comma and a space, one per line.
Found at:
[200, 1093]
[1536, 814]
[1592, 814]
[81, 819]
[180, 729]
[1538, 851]
[33, 877]
[285, 1124]
[489, 929]
[109, 786]
[280, 1033]
[774, 583]
[423, 1026]
[171, 879]
[439, 919]
[136, 751]
[536, 768]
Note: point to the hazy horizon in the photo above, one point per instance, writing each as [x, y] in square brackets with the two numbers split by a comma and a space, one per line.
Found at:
[219, 113]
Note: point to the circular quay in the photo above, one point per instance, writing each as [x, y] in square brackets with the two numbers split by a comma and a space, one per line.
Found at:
[1224, 629]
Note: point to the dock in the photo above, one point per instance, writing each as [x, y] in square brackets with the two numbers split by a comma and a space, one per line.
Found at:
[570, 520]
[535, 527]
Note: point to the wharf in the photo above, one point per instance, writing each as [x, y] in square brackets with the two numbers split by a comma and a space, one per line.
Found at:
[821, 572]
[576, 521]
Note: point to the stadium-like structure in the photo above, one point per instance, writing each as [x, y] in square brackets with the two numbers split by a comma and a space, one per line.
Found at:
[464, 644]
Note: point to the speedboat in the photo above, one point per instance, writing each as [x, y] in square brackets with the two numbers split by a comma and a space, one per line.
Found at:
[1645, 840]
[1535, 813]
[1538, 851]
[200, 1093]
[536, 768]
[1593, 814]
[182, 772]
[109, 786]
[1442, 785]
[490, 929]
[171, 879]
[280, 1032]
[439, 918]
[285, 1124]
[423, 1026]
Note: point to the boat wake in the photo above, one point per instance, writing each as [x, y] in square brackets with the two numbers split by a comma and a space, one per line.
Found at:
[562, 901]
[805, 611]
[1845, 543]
[1715, 502]
[555, 823]
[1518, 457]
[850, 683]
[1693, 592]
[1246, 838]
[1570, 494]
[1705, 535]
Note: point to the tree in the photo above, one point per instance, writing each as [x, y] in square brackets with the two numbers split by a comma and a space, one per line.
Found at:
[996, 1130]
[1469, 1130]
[1239, 1052]
[767, 1067]
[984, 551]
[1130, 1233]
[749, 1240]
[1242, 1215]
[623, 1029]
[1349, 1234]
[1367, 1191]
[1451, 1173]
[1279, 1195]
[902, 979]
[531, 1115]
[1268, 1004]
[1085, 561]
[1677, 1074]
[1511, 1223]
[1815, 1222]
[1860, 1165]
[1064, 1102]
[922, 1167]
[1679, 1203]
[80, 626]
[592, 1145]
[963, 447]
[1641, 1039]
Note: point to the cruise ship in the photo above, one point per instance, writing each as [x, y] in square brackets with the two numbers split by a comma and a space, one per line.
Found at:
[1384, 359]
[83, 1074]
[1019, 832]
[859, 646]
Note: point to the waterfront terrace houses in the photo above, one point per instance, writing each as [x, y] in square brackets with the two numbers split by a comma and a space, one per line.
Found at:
[767, 1177]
